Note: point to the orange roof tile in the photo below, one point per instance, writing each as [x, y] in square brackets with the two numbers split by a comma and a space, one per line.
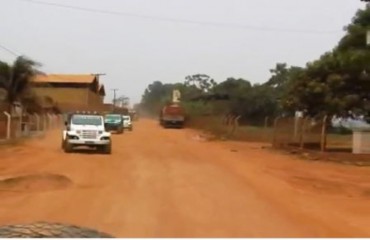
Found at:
[64, 78]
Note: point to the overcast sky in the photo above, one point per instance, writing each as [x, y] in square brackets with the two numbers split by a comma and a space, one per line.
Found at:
[167, 40]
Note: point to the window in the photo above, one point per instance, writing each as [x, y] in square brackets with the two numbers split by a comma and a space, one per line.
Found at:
[86, 120]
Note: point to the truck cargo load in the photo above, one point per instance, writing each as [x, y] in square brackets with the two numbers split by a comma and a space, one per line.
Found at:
[172, 115]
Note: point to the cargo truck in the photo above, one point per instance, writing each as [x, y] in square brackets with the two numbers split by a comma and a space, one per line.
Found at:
[172, 115]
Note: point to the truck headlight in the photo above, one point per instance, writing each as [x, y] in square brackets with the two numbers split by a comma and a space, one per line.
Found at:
[72, 137]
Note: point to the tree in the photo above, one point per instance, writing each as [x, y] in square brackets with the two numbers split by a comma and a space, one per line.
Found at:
[156, 95]
[202, 82]
[16, 78]
[252, 102]
[339, 81]
[238, 91]
[281, 81]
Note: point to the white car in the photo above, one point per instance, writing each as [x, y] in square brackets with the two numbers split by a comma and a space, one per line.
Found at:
[127, 123]
[86, 130]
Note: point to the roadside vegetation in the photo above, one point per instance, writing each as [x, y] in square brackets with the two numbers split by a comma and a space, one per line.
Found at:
[335, 84]
[15, 85]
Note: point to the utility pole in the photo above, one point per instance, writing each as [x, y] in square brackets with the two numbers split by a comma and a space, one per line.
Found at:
[98, 74]
[114, 97]
[124, 101]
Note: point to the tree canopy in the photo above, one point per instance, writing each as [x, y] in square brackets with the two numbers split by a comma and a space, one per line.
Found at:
[336, 83]
[15, 79]
[339, 80]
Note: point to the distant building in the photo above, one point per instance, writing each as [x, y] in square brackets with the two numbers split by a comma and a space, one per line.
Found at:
[71, 92]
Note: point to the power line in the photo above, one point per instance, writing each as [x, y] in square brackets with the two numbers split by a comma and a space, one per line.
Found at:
[166, 19]
[9, 50]
[14, 53]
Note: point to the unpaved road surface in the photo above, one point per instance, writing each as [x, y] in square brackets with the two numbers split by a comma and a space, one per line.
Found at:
[172, 183]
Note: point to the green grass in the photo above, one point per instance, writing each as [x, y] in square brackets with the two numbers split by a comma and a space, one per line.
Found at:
[339, 140]
[214, 125]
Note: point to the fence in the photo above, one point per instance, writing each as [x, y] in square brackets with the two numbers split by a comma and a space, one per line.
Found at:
[13, 127]
[305, 133]
[229, 127]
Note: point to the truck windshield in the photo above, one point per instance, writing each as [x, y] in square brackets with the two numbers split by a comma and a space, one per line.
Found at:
[114, 117]
[86, 120]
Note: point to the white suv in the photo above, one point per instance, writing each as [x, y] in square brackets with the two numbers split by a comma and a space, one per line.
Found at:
[86, 130]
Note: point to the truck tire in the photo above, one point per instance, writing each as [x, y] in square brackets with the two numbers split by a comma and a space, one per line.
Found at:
[63, 144]
[107, 149]
[68, 148]
[49, 230]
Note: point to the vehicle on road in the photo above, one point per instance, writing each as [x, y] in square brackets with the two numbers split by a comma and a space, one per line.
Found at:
[86, 130]
[172, 115]
[114, 122]
[127, 122]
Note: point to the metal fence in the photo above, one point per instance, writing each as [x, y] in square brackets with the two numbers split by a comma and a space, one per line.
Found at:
[301, 132]
[13, 127]
[305, 133]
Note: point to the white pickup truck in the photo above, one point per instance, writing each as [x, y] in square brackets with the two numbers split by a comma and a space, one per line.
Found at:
[86, 130]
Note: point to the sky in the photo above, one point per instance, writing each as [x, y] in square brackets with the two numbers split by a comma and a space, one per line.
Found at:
[136, 42]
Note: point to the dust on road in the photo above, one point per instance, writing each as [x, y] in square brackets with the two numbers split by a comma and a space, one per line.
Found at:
[171, 183]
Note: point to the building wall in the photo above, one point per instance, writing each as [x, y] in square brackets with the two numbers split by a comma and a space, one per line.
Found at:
[94, 99]
[71, 99]
[64, 95]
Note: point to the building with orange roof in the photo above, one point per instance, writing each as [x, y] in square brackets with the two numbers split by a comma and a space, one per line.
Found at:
[71, 92]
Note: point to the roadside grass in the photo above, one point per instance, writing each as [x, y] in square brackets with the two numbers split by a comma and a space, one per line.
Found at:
[339, 141]
[338, 148]
[214, 126]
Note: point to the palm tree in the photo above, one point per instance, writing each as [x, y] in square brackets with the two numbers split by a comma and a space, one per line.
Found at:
[16, 79]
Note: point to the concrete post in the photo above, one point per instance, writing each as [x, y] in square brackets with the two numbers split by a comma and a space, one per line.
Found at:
[323, 134]
[61, 120]
[44, 122]
[8, 125]
[37, 122]
[50, 121]
[275, 132]
[266, 123]
[303, 132]
[51, 116]
[55, 120]
[236, 121]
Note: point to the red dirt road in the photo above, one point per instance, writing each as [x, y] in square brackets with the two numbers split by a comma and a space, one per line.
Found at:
[171, 183]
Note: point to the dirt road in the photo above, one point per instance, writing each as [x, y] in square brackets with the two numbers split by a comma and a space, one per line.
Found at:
[172, 183]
